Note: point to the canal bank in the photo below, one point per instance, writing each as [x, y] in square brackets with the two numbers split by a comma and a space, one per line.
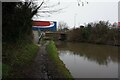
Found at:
[59, 66]
[47, 65]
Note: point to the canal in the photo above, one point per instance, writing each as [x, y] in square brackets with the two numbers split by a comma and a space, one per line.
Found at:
[89, 60]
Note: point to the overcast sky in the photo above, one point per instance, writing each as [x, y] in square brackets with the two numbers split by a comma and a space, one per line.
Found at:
[95, 10]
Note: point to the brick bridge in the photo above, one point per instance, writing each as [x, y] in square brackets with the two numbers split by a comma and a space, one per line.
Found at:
[56, 35]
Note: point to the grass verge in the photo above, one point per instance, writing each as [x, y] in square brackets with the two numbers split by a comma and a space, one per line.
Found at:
[52, 50]
[16, 58]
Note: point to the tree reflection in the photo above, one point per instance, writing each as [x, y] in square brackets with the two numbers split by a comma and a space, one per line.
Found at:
[101, 54]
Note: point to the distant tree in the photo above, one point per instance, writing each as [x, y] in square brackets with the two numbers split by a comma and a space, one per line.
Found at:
[62, 26]
[98, 32]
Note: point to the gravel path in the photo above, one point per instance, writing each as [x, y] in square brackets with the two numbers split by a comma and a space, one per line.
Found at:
[38, 68]
[42, 67]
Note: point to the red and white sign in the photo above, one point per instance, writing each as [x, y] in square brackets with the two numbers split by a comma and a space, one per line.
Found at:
[43, 24]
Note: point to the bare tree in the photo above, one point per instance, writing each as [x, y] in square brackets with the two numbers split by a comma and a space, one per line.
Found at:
[43, 8]
[62, 26]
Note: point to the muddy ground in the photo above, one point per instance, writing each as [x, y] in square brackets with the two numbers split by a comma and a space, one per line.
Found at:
[42, 67]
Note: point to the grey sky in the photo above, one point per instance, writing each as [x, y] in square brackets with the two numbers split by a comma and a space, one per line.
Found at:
[77, 15]
[119, 11]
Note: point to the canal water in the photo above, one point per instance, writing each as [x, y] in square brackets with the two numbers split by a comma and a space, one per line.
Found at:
[89, 60]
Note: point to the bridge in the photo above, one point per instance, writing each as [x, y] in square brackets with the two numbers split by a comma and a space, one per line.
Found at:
[49, 36]
[48, 30]
[56, 35]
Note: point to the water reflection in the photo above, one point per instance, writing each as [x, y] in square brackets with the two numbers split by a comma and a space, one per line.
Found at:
[101, 54]
[88, 60]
